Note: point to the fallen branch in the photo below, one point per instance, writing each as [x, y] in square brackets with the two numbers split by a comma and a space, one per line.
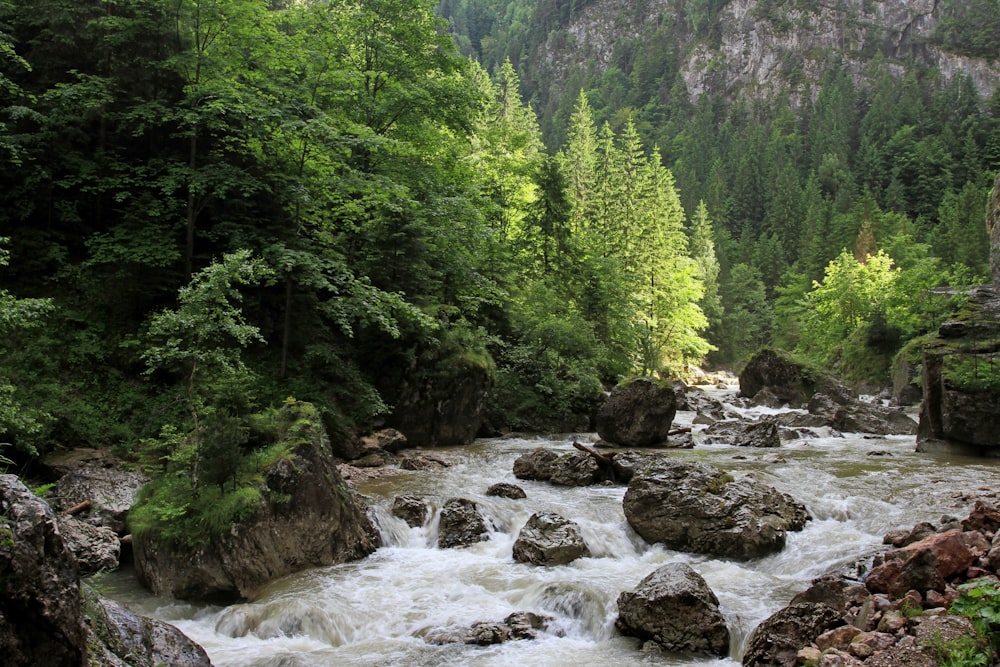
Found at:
[602, 459]
[683, 429]
[79, 507]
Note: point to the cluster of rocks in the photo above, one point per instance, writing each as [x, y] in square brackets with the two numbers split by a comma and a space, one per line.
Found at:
[772, 379]
[895, 616]
[47, 617]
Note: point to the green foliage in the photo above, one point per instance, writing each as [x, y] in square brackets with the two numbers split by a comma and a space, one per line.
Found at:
[178, 511]
[979, 601]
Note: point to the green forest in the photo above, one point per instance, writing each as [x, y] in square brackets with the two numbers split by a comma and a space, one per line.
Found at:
[213, 207]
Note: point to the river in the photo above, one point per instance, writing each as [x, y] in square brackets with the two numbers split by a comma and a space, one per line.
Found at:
[375, 612]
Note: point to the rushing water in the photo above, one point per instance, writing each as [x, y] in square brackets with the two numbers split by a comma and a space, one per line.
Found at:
[377, 611]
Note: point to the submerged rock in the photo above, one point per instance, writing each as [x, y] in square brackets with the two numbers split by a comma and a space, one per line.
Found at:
[506, 490]
[549, 539]
[639, 413]
[674, 607]
[518, 625]
[699, 508]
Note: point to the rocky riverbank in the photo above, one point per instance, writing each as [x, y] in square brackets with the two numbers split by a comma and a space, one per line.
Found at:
[902, 610]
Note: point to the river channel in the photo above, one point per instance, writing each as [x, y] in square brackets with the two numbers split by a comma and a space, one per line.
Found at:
[375, 612]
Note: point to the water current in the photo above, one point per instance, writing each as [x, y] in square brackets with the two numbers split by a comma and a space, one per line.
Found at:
[375, 612]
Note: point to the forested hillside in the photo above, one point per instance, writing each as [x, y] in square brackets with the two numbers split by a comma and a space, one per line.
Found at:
[812, 132]
[209, 206]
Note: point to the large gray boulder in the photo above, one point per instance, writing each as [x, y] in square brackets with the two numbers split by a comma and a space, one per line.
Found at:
[549, 539]
[674, 607]
[310, 518]
[96, 547]
[441, 401]
[638, 413]
[103, 481]
[699, 508]
[858, 417]
[41, 616]
[786, 379]
[45, 617]
[119, 637]
[776, 641]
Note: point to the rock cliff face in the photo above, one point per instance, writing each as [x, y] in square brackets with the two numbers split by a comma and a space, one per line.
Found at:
[961, 381]
[762, 49]
[311, 519]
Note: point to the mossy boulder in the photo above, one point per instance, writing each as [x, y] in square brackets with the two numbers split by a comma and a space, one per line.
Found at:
[305, 516]
[961, 380]
[699, 508]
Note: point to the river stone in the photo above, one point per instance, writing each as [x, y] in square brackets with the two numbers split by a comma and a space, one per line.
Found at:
[576, 469]
[639, 413]
[674, 607]
[776, 641]
[549, 539]
[411, 509]
[699, 508]
[759, 434]
[310, 518]
[536, 465]
[41, 617]
[461, 524]
[96, 548]
[506, 490]
[122, 637]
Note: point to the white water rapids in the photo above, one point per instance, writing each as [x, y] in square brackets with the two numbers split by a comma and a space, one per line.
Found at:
[376, 611]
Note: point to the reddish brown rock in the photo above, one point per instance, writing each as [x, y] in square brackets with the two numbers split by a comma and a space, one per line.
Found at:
[838, 638]
[949, 550]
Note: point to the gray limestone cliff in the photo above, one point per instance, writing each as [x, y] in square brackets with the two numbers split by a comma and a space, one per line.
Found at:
[762, 49]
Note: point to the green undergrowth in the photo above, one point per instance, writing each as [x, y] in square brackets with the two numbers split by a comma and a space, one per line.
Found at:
[979, 601]
[178, 506]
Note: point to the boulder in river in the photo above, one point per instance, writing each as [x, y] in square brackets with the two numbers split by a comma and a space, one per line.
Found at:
[461, 524]
[506, 490]
[46, 619]
[699, 508]
[674, 607]
[785, 379]
[41, 609]
[638, 413]
[568, 469]
[759, 434]
[549, 539]
[776, 641]
[411, 509]
[308, 518]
